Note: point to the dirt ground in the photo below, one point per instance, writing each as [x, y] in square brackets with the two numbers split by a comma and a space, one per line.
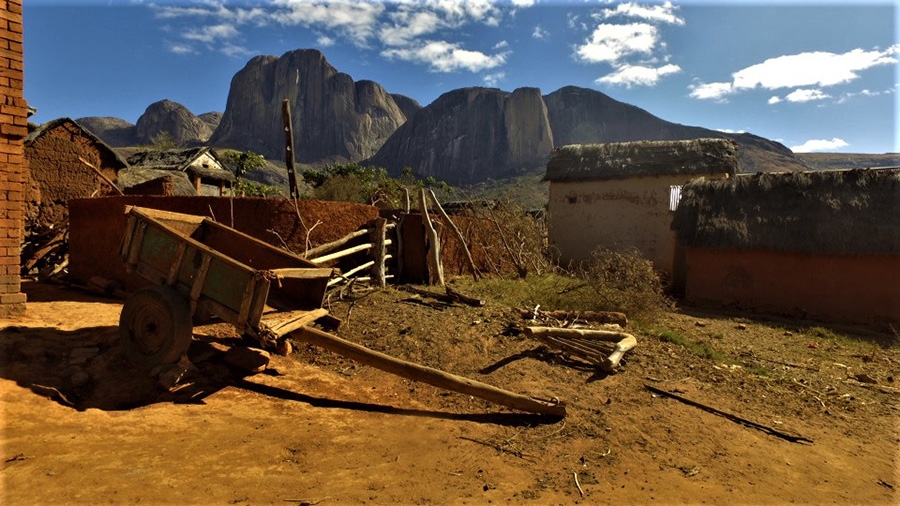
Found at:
[80, 425]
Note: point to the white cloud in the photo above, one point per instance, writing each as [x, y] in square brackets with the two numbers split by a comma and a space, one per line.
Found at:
[181, 49]
[500, 45]
[609, 43]
[442, 56]
[325, 41]
[351, 19]
[806, 95]
[819, 145]
[404, 29]
[730, 131]
[818, 68]
[492, 80]
[774, 100]
[540, 33]
[664, 13]
[710, 91]
[234, 50]
[638, 75]
[209, 34]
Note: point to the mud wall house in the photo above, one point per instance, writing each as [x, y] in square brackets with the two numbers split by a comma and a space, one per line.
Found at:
[13, 169]
[54, 152]
[821, 245]
[622, 195]
[202, 166]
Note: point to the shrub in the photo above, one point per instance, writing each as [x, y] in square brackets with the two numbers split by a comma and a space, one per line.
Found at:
[624, 281]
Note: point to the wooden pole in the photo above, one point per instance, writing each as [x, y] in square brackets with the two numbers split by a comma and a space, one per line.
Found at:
[435, 269]
[333, 245]
[289, 147]
[429, 375]
[377, 237]
[456, 232]
[102, 176]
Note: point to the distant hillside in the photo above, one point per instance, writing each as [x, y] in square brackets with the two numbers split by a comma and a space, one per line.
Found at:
[833, 161]
[466, 136]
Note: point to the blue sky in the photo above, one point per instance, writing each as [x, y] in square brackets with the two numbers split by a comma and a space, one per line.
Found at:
[816, 76]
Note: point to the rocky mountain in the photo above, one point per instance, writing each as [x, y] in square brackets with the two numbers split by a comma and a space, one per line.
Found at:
[173, 119]
[408, 106]
[114, 131]
[334, 117]
[212, 119]
[581, 115]
[472, 134]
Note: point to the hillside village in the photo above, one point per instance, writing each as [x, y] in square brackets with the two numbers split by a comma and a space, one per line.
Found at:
[690, 316]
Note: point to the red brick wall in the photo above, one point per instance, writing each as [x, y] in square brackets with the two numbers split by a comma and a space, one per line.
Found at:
[13, 128]
[838, 288]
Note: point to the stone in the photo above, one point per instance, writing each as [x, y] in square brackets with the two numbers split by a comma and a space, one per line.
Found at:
[252, 360]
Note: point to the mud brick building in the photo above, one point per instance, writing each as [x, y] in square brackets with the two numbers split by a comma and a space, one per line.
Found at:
[13, 129]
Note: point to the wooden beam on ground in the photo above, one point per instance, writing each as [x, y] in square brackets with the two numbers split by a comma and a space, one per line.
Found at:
[734, 418]
[429, 375]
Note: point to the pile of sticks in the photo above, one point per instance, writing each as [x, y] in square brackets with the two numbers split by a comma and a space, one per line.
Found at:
[45, 253]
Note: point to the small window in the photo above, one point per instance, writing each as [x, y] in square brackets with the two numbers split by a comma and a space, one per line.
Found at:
[674, 197]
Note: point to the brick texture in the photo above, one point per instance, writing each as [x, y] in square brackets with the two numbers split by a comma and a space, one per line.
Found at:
[13, 118]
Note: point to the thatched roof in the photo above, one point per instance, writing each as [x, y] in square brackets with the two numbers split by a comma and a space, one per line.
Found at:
[180, 160]
[50, 125]
[126, 178]
[834, 212]
[621, 160]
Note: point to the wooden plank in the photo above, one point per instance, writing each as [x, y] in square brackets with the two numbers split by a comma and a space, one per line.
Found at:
[176, 263]
[303, 272]
[429, 375]
[199, 280]
[287, 322]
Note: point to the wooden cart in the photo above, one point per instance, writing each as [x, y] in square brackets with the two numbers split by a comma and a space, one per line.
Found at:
[201, 269]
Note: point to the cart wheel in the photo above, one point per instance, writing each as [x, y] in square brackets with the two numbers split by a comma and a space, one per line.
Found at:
[155, 326]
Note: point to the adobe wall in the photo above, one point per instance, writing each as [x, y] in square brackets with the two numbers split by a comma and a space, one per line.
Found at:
[13, 170]
[835, 288]
[57, 175]
[617, 214]
[97, 225]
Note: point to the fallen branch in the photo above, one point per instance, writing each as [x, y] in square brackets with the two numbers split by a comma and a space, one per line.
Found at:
[734, 418]
[471, 301]
[592, 316]
[580, 491]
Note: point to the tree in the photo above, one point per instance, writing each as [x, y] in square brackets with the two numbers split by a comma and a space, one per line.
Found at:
[242, 163]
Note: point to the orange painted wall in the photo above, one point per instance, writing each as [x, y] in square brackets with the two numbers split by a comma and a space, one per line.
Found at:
[839, 288]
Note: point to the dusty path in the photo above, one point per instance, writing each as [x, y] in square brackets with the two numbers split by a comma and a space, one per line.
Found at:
[315, 428]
